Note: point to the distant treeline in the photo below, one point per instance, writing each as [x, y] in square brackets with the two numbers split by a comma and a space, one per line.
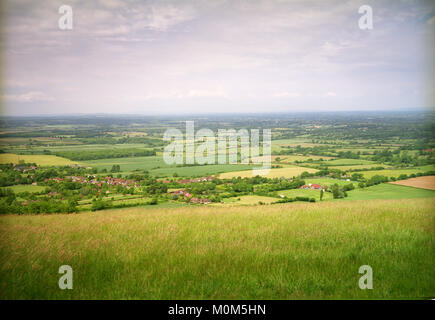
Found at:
[103, 154]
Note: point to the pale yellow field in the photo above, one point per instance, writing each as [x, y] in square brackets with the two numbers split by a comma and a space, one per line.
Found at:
[287, 172]
[427, 182]
[246, 200]
[40, 160]
[291, 158]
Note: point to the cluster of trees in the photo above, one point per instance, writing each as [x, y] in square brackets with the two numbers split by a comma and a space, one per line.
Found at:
[11, 178]
[276, 185]
[200, 189]
[10, 204]
[339, 192]
[377, 179]
[100, 204]
[116, 168]
[403, 157]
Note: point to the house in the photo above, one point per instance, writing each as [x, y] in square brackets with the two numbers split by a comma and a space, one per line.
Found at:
[312, 186]
[202, 201]
[20, 168]
[316, 186]
[182, 193]
[206, 179]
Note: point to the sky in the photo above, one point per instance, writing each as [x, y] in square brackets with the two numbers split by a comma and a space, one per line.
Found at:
[208, 56]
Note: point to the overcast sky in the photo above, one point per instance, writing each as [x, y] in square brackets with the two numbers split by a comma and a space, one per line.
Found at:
[180, 56]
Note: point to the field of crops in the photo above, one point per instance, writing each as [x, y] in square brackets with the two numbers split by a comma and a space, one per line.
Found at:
[359, 167]
[246, 200]
[129, 164]
[40, 160]
[426, 182]
[300, 158]
[289, 251]
[396, 172]
[288, 172]
[349, 162]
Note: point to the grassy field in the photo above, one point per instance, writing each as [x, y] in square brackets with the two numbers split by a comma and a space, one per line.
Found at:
[305, 193]
[328, 181]
[359, 167]
[25, 188]
[389, 191]
[425, 182]
[246, 200]
[128, 164]
[287, 172]
[303, 142]
[349, 162]
[199, 171]
[40, 160]
[157, 167]
[289, 251]
[291, 158]
[396, 172]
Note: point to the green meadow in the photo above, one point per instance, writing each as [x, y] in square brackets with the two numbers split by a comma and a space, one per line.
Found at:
[389, 191]
[157, 167]
[288, 251]
[348, 162]
[328, 181]
[128, 164]
[25, 188]
[305, 193]
[199, 171]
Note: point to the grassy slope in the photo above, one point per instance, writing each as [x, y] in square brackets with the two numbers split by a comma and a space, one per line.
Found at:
[388, 191]
[298, 250]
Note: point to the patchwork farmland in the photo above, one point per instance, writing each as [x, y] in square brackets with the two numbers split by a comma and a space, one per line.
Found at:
[126, 219]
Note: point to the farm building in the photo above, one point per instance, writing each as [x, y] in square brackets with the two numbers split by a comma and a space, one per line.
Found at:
[312, 186]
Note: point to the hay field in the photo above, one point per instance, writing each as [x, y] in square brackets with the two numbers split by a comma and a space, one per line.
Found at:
[425, 182]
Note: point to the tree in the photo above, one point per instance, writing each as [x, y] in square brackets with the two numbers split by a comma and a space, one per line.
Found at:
[115, 168]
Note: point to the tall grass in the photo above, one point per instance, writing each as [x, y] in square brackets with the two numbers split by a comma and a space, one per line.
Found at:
[289, 251]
